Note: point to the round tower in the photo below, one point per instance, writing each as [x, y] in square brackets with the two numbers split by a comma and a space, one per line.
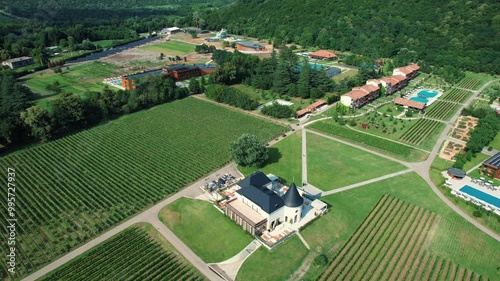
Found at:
[293, 204]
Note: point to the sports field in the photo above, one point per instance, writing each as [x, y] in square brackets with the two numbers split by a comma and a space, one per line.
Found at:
[176, 48]
[77, 187]
[285, 160]
[331, 164]
[137, 253]
[454, 239]
[78, 79]
[206, 231]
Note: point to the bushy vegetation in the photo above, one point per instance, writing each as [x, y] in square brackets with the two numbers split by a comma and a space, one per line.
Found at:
[249, 151]
[231, 96]
[277, 110]
[442, 33]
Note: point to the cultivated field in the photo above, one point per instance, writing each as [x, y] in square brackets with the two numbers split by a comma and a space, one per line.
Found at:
[74, 188]
[208, 232]
[391, 244]
[420, 131]
[457, 95]
[130, 255]
[175, 48]
[328, 159]
[469, 83]
[396, 150]
[442, 110]
[285, 160]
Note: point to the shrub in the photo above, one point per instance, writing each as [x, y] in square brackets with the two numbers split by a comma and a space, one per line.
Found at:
[277, 110]
[477, 213]
[320, 260]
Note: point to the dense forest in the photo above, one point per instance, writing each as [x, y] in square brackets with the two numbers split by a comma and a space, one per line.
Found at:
[464, 34]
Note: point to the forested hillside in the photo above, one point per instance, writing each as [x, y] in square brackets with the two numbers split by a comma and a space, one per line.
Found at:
[459, 33]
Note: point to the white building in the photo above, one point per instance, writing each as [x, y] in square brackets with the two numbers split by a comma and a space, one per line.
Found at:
[262, 203]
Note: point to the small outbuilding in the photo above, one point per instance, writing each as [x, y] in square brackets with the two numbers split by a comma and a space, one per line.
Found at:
[249, 46]
[322, 55]
[492, 166]
[456, 173]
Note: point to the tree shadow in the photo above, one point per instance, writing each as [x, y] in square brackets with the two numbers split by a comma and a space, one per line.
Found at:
[274, 156]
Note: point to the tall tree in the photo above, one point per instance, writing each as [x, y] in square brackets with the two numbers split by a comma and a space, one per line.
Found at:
[40, 122]
[249, 151]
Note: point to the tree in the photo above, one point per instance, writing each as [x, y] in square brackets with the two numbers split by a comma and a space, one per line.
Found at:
[41, 55]
[194, 86]
[68, 112]
[249, 151]
[162, 56]
[40, 122]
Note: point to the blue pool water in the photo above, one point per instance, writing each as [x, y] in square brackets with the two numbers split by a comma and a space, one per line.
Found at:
[427, 93]
[420, 99]
[492, 200]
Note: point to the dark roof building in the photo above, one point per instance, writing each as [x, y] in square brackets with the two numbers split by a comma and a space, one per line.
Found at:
[249, 46]
[456, 173]
[254, 188]
[492, 166]
[292, 197]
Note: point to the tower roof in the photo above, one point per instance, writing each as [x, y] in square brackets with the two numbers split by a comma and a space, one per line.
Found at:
[292, 197]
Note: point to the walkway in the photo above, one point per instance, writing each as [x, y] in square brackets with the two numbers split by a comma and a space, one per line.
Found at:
[230, 267]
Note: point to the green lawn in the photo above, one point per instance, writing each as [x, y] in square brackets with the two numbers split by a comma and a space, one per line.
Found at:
[210, 234]
[175, 48]
[331, 164]
[345, 74]
[455, 238]
[106, 43]
[495, 143]
[284, 161]
[480, 157]
[278, 264]
[78, 79]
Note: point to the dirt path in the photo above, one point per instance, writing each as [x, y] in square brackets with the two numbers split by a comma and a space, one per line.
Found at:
[304, 267]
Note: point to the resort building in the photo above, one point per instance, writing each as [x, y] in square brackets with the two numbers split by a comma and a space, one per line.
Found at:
[409, 104]
[409, 71]
[18, 62]
[249, 46]
[360, 96]
[322, 55]
[170, 30]
[491, 166]
[311, 108]
[263, 203]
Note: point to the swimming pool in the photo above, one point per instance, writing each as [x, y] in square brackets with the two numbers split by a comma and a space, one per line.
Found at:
[492, 200]
[427, 93]
[420, 99]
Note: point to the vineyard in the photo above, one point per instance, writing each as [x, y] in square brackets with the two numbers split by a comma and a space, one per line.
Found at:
[469, 83]
[74, 188]
[391, 244]
[442, 110]
[392, 148]
[420, 131]
[130, 255]
[457, 95]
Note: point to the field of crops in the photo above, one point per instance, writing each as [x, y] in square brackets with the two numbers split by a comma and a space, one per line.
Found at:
[170, 48]
[76, 187]
[130, 255]
[457, 95]
[392, 148]
[442, 110]
[391, 244]
[420, 131]
[469, 83]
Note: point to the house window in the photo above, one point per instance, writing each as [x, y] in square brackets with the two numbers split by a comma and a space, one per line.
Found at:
[295, 219]
[286, 218]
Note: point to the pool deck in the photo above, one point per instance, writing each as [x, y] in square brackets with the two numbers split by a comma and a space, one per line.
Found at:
[415, 92]
[458, 184]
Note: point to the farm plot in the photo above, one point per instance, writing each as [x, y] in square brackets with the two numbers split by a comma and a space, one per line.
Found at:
[469, 83]
[420, 131]
[76, 187]
[442, 110]
[457, 95]
[391, 244]
[131, 255]
[171, 48]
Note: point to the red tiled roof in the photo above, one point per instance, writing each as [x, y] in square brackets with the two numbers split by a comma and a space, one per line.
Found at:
[370, 88]
[389, 80]
[376, 81]
[413, 67]
[356, 94]
[405, 70]
[398, 77]
[316, 104]
[409, 103]
[323, 54]
[302, 112]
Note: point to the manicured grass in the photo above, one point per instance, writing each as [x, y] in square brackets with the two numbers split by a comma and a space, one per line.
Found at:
[495, 143]
[275, 265]
[393, 149]
[285, 160]
[480, 157]
[331, 164]
[346, 74]
[77, 187]
[455, 238]
[175, 48]
[137, 253]
[78, 79]
[208, 232]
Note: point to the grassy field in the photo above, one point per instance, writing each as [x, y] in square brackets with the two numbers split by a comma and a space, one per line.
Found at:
[210, 234]
[495, 143]
[78, 79]
[331, 164]
[137, 253]
[175, 48]
[346, 74]
[106, 43]
[393, 149]
[391, 244]
[455, 239]
[77, 187]
[285, 160]
[275, 265]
